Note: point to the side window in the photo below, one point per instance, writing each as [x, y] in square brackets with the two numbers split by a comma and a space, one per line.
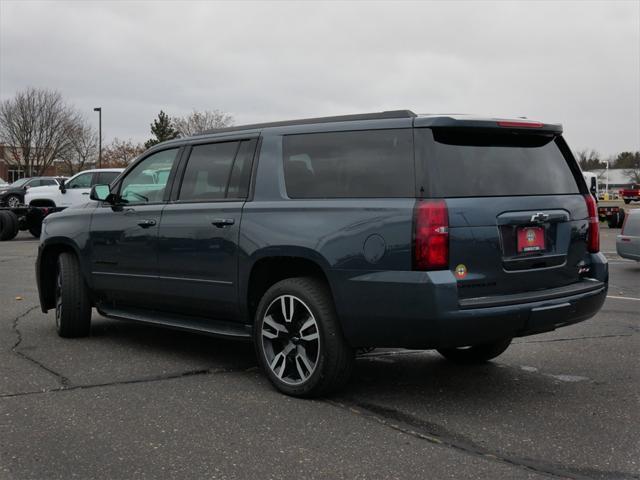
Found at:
[47, 181]
[147, 181]
[208, 170]
[105, 178]
[241, 172]
[81, 181]
[33, 183]
[365, 164]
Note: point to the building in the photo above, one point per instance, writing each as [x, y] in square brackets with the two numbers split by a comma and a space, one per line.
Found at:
[10, 173]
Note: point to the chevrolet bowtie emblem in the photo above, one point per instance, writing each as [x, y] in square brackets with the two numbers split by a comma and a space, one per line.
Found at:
[539, 217]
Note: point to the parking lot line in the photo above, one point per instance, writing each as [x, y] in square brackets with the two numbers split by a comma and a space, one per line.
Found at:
[623, 298]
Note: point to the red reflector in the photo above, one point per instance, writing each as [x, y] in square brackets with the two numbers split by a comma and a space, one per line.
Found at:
[593, 235]
[518, 124]
[431, 236]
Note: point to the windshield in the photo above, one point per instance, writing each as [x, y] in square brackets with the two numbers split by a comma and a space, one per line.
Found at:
[20, 182]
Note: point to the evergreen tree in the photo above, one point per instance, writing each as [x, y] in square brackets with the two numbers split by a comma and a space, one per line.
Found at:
[162, 129]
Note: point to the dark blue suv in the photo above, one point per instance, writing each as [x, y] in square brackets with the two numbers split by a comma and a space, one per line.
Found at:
[318, 237]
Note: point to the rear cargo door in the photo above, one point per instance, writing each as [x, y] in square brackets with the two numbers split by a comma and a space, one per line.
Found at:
[517, 218]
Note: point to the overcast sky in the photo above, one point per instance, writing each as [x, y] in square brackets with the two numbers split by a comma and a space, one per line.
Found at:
[577, 63]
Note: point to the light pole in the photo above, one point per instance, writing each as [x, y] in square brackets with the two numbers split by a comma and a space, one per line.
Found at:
[99, 110]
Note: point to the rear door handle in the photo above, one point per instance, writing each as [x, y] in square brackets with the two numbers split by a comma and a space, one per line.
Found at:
[146, 223]
[222, 222]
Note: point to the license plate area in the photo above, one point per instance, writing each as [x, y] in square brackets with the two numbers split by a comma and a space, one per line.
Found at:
[530, 240]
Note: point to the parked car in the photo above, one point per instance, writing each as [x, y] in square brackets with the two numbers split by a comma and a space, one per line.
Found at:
[72, 191]
[630, 194]
[628, 242]
[317, 237]
[13, 195]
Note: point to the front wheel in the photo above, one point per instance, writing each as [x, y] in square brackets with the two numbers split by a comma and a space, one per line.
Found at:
[73, 306]
[627, 202]
[13, 201]
[298, 339]
[475, 353]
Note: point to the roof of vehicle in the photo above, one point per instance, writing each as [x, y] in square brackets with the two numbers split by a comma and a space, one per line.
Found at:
[436, 120]
[423, 120]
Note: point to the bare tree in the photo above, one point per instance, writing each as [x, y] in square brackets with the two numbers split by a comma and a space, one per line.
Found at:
[36, 127]
[198, 122]
[588, 159]
[82, 149]
[119, 153]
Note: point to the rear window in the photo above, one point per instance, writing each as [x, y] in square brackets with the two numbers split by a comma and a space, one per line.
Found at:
[463, 163]
[366, 164]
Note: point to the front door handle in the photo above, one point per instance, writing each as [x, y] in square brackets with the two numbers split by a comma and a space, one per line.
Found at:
[222, 222]
[146, 223]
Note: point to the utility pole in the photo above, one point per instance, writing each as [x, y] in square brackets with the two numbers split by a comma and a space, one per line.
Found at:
[99, 110]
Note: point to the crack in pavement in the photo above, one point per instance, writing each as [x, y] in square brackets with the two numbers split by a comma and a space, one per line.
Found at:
[64, 381]
[132, 381]
[438, 435]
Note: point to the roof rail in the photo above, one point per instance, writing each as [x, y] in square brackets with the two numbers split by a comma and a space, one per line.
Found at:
[306, 121]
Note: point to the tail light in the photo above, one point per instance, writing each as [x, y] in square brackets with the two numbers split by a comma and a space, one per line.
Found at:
[431, 236]
[520, 124]
[593, 239]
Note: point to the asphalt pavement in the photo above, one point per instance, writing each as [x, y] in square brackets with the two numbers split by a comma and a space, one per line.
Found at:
[133, 401]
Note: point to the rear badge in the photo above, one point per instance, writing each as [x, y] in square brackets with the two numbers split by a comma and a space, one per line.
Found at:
[461, 271]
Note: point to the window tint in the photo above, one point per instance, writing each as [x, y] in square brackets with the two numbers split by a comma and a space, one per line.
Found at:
[33, 183]
[48, 181]
[372, 163]
[147, 181]
[208, 170]
[105, 178]
[241, 172]
[81, 181]
[462, 163]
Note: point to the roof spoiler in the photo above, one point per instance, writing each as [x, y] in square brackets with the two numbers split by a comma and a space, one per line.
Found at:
[516, 124]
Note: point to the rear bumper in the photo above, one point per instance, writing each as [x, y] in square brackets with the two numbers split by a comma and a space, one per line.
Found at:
[422, 309]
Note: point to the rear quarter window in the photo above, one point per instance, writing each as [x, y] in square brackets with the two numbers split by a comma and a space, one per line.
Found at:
[365, 164]
[467, 163]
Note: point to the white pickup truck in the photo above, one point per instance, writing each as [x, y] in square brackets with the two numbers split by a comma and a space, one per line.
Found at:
[73, 191]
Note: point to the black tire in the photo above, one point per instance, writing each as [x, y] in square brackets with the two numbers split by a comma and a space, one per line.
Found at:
[8, 225]
[13, 201]
[334, 357]
[475, 353]
[627, 202]
[620, 215]
[73, 306]
[36, 230]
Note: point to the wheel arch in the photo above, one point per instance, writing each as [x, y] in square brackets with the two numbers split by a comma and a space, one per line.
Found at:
[271, 266]
[46, 268]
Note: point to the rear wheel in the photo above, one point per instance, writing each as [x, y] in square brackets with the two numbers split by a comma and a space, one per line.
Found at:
[298, 339]
[8, 225]
[476, 353]
[36, 230]
[73, 307]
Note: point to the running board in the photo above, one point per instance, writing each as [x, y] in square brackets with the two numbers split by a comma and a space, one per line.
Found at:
[238, 331]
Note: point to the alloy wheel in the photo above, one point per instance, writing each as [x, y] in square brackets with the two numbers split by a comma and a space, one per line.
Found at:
[290, 339]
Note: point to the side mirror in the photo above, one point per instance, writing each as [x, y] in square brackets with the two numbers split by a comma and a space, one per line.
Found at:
[101, 193]
[62, 186]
